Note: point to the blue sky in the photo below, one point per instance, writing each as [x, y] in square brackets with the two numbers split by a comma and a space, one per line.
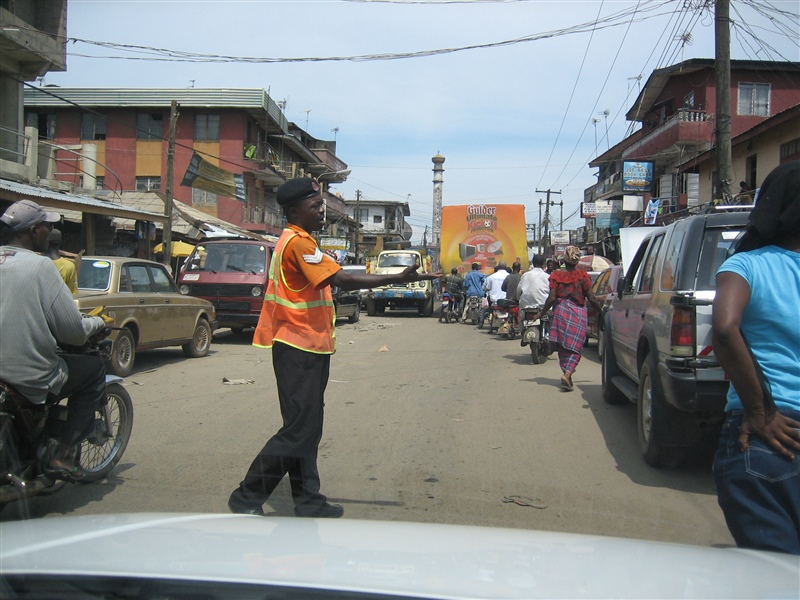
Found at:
[509, 119]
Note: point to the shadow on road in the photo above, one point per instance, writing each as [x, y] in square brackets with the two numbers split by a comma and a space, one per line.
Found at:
[67, 500]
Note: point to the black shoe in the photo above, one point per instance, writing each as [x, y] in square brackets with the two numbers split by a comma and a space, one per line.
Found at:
[326, 511]
[240, 509]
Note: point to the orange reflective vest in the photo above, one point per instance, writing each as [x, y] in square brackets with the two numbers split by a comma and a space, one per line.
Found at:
[301, 318]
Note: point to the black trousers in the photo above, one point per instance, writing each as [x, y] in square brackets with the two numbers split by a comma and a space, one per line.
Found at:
[86, 388]
[302, 378]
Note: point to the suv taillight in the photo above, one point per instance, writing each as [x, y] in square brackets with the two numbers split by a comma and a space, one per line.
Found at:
[682, 335]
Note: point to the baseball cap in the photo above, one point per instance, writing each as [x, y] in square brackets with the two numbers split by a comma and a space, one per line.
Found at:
[295, 190]
[26, 213]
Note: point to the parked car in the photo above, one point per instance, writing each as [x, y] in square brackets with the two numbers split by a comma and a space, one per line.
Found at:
[604, 287]
[657, 351]
[147, 308]
[363, 293]
[348, 304]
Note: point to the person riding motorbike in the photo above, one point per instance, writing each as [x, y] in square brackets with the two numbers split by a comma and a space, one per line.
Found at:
[534, 286]
[455, 287]
[493, 286]
[473, 286]
[37, 313]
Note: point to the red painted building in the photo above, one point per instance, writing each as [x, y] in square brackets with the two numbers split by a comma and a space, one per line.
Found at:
[117, 139]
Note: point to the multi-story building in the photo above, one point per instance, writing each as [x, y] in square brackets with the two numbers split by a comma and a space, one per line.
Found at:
[118, 139]
[32, 43]
[379, 221]
[676, 109]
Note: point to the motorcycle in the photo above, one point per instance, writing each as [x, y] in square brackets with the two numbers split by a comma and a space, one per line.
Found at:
[498, 317]
[536, 334]
[28, 432]
[511, 327]
[472, 311]
[448, 311]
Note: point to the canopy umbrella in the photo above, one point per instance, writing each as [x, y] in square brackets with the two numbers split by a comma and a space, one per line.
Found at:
[176, 249]
[593, 262]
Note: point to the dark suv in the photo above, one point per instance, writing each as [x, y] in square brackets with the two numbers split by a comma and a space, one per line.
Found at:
[657, 350]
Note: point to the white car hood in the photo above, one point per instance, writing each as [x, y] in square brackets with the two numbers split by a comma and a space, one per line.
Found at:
[410, 559]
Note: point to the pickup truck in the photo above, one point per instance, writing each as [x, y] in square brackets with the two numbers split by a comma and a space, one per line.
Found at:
[417, 295]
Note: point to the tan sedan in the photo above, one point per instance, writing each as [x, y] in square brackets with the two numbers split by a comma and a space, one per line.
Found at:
[147, 308]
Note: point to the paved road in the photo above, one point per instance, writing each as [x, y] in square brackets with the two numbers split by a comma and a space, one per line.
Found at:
[425, 422]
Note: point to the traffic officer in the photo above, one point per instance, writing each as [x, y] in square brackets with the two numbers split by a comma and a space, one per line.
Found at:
[297, 323]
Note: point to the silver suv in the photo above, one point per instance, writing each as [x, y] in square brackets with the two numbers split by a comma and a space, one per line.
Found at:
[658, 350]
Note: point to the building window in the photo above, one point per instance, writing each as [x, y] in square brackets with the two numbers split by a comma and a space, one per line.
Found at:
[203, 198]
[790, 150]
[363, 215]
[688, 100]
[377, 219]
[206, 128]
[149, 126]
[93, 127]
[45, 123]
[100, 182]
[753, 99]
[148, 184]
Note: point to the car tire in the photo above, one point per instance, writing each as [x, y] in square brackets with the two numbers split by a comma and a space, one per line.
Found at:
[356, 314]
[426, 309]
[200, 343]
[609, 370]
[123, 354]
[651, 413]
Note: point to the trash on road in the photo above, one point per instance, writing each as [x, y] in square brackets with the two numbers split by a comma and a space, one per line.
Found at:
[227, 381]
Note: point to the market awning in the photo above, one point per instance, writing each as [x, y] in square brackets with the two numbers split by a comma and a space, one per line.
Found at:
[13, 191]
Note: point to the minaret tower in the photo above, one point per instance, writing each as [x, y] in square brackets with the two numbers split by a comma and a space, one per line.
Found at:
[438, 179]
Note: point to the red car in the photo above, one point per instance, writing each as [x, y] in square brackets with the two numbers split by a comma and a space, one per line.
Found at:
[604, 287]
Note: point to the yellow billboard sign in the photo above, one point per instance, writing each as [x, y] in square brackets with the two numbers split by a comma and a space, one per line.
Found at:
[484, 233]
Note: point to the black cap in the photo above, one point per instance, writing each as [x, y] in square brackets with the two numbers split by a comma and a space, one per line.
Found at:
[295, 190]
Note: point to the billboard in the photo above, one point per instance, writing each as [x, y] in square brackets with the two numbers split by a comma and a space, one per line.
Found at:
[484, 233]
[637, 176]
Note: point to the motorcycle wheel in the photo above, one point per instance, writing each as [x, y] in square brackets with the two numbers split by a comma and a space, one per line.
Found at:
[535, 356]
[102, 450]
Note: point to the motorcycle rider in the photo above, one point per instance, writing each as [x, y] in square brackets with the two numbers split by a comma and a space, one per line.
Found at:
[494, 288]
[534, 286]
[454, 285]
[37, 313]
[473, 286]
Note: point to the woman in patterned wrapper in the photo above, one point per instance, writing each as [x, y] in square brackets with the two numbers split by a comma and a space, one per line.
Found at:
[570, 289]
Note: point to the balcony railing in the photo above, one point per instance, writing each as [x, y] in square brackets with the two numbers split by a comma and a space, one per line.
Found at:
[682, 116]
[13, 145]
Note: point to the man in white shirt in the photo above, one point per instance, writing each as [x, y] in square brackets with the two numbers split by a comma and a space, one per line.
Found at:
[534, 287]
[494, 288]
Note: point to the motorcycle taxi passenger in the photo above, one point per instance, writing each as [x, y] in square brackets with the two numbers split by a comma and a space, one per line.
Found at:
[473, 288]
[37, 313]
[454, 285]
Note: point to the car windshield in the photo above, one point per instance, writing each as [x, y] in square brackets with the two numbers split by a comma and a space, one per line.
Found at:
[94, 274]
[397, 260]
[220, 257]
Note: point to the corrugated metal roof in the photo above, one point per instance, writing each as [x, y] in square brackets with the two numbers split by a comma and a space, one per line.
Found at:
[252, 99]
[15, 191]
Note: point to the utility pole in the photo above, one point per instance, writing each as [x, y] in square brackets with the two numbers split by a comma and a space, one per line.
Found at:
[722, 68]
[357, 219]
[539, 231]
[547, 205]
[167, 231]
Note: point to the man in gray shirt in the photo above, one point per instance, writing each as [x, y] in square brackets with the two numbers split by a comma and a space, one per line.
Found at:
[37, 313]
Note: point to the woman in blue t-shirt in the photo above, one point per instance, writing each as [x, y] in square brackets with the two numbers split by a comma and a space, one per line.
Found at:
[756, 337]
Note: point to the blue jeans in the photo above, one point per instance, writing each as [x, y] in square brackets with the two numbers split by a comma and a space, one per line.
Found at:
[758, 490]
